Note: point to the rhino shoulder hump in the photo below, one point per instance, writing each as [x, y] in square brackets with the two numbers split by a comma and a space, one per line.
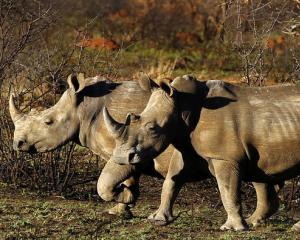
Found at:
[221, 88]
[211, 84]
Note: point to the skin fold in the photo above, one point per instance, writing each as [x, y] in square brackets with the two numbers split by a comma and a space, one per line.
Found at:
[78, 117]
[243, 134]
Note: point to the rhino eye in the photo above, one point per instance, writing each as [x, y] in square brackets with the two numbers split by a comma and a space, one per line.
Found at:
[48, 121]
[152, 128]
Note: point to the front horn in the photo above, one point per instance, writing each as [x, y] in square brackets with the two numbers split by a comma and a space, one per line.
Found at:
[115, 128]
[15, 114]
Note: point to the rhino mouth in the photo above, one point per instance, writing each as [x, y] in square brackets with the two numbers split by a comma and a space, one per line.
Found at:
[32, 150]
[40, 147]
[134, 158]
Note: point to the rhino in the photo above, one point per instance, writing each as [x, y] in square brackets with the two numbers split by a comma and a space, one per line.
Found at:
[244, 134]
[77, 117]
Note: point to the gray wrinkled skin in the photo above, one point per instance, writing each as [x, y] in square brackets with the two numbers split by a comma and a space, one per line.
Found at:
[47, 130]
[244, 134]
[77, 117]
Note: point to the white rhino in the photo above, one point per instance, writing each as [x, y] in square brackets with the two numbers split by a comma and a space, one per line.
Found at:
[244, 134]
[77, 117]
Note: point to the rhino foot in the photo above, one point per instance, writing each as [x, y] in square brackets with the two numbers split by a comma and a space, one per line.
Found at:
[161, 219]
[121, 210]
[255, 220]
[296, 227]
[234, 225]
[125, 196]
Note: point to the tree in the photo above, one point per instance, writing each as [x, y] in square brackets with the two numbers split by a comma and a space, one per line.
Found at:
[21, 23]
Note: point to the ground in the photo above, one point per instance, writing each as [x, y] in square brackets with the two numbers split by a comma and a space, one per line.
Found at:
[30, 215]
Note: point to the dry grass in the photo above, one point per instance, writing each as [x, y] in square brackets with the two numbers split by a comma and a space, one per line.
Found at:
[161, 70]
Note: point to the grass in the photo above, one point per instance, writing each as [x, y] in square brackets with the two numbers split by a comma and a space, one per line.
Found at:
[198, 61]
[27, 215]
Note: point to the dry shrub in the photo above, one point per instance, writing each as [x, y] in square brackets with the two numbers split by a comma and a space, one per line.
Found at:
[98, 43]
[262, 34]
[37, 76]
[57, 171]
[163, 69]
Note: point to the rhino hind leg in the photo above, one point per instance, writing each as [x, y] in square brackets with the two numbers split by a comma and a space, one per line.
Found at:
[267, 203]
[229, 185]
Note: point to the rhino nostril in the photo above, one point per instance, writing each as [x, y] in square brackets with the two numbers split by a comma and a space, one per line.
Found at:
[131, 156]
[20, 143]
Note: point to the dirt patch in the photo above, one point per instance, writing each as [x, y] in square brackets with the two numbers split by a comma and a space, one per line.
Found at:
[199, 214]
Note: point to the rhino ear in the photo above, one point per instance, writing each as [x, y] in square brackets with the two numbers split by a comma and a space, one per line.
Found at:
[146, 83]
[76, 82]
[131, 117]
[165, 85]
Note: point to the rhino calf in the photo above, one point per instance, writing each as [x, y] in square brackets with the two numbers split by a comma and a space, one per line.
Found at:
[244, 134]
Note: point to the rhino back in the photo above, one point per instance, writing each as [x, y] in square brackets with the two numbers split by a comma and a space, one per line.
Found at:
[127, 97]
[119, 98]
[259, 126]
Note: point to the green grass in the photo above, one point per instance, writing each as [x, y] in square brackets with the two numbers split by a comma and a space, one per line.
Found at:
[28, 216]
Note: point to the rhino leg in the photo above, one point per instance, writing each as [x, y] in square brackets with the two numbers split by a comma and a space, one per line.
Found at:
[170, 190]
[296, 227]
[118, 183]
[267, 203]
[120, 209]
[228, 180]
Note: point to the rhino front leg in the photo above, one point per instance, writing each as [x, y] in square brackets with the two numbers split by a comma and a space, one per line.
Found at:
[228, 180]
[118, 183]
[170, 190]
[267, 203]
[164, 214]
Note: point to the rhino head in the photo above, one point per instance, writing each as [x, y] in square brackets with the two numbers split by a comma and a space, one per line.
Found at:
[41, 131]
[143, 137]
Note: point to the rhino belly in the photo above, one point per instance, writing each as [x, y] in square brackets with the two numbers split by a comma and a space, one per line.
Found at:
[278, 163]
[276, 135]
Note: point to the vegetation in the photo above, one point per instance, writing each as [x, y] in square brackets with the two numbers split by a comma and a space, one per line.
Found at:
[28, 215]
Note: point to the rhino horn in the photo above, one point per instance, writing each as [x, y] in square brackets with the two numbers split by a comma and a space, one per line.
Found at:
[115, 128]
[15, 114]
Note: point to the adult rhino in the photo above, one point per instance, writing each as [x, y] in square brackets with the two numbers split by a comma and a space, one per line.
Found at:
[77, 117]
[244, 134]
